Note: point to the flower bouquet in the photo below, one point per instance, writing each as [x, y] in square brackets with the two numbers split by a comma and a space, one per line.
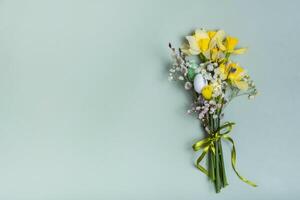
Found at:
[204, 65]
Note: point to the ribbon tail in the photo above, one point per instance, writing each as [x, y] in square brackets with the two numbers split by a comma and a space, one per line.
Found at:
[233, 161]
[200, 167]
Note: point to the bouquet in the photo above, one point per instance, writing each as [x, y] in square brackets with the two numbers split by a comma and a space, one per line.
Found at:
[204, 65]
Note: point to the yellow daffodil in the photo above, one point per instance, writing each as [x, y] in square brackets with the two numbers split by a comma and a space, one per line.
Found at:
[207, 92]
[235, 74]
[199, 42]
[230, 45]
[203, 41]
[215, 45]
[216, 39]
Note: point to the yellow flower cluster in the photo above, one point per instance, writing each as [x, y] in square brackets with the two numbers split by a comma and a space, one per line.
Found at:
[213, 45]
[216, 46]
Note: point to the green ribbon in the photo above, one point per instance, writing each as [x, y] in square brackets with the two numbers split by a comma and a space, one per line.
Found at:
[208, 144]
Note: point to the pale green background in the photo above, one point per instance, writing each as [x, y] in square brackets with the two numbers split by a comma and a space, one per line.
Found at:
[87, 113]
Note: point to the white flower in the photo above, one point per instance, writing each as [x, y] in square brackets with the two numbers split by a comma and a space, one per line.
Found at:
[199, 83]
[181, 78]
[188, 85]
[184, 70]
[201, 116]
[212, 102]
[210, 67]
[203, 71]
[207, 76]
[172, 70]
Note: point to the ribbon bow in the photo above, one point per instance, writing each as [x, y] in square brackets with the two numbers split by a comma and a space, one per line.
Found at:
[208, 144]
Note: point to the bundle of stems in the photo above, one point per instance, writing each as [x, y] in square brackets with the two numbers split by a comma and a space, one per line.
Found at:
[216, 161]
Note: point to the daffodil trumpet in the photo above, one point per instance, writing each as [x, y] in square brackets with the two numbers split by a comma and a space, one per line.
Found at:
[213, 83]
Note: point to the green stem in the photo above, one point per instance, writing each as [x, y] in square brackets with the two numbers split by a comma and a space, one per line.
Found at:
[224, 179]
[218, 179]
[220, 152]
[212, 163]
[212, 166]
[216, 161]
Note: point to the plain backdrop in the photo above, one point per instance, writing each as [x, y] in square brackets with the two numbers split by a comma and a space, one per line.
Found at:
[87, 113]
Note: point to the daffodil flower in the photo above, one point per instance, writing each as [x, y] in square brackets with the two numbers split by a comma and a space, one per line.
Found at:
[235, 74]
[199, 42]
[230, 44]
[216, 39]
[205, 43]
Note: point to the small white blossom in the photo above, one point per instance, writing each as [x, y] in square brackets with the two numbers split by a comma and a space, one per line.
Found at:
[201, 115]
[188, 85]
[184, 70]
[212, 102]
[203, 71]
[181, 78]
[217, 71]
[210, 67]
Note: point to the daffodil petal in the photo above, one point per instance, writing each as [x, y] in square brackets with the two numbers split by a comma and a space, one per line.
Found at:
[185, 51]
[204, 44]
[211, 34]
[214, 53]
[194, 48]
[223, 71]
[220, 34]
[185, 48]
[201, 34]
[240, 51]
[231, 42]
[242, 85]
[193, 52]
[236, 72]
[217, 40]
